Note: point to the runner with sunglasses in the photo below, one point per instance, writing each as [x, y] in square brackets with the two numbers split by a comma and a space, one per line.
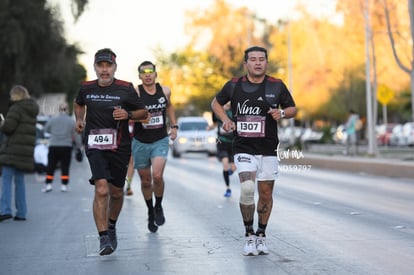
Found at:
[150, 144]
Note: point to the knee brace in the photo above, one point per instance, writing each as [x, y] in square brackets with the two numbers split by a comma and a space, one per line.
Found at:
[247, 192]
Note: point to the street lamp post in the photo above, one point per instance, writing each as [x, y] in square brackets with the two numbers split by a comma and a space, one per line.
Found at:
[370, 125]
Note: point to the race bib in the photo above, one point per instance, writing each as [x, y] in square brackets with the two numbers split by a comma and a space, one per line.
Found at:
[251, 126]
[156, 121]
[102, 139]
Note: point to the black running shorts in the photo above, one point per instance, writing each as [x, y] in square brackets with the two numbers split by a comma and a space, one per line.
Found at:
[109, 165]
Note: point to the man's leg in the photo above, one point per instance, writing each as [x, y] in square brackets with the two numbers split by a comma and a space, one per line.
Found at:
[247, 204]
[130, 175]
[146, 190]
[100, 214]
[226, 175]
[264, 209]
[65, 160]
[115, 202]
[247, 207]
[264, 204]
[158, 165]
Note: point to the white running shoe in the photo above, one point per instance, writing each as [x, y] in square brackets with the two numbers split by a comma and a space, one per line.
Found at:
[64, 188]
[48, 187]
[250, 246]
[261, 245]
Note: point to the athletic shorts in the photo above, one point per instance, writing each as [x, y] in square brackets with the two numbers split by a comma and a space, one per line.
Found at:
[266, 167]
[144, 152]
[109, 165]
[225, 150]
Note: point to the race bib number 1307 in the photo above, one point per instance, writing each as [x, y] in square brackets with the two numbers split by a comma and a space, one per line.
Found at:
[102, 139]
[251, 126]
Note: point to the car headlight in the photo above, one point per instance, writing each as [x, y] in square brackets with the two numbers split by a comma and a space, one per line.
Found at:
[211, 140]
[182, 140]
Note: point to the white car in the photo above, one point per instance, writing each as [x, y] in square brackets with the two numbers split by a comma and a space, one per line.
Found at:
[193, 135]
[408, 132]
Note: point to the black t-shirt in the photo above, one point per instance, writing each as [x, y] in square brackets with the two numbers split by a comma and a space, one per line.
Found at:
[100, 103]
[256, 130]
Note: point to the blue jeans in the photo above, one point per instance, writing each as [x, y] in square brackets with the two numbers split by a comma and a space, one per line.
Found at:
[8, 173]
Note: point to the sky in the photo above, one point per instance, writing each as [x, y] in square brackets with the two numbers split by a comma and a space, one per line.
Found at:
[134, 28]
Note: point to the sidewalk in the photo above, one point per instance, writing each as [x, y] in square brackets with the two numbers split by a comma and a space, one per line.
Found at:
[391, 162]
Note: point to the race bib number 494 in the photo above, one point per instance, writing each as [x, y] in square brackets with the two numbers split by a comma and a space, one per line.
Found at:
[251, 126]
[102, 139]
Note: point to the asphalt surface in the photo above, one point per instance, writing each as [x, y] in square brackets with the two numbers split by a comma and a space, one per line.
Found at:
[59, 236]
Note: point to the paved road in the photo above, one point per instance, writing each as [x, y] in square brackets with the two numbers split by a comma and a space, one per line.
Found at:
[323, 223]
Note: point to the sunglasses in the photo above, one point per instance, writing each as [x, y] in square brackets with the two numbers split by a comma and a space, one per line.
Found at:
[147, 71]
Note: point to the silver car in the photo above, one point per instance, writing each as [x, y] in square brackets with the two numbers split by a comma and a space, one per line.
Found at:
[193, 135]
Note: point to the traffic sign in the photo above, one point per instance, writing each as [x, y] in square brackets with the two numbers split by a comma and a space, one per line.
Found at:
[384, 94]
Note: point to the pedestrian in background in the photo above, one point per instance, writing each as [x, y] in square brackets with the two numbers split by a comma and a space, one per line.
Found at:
[62, 139]
[17, 151]
[351, 128]
[131, 170]
[102, 109]
[225, 148]
[150, 144]
[258, 102]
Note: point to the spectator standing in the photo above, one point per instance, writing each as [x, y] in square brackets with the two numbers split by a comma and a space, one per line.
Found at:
[17, 151]
[351, 127]
[62, 139]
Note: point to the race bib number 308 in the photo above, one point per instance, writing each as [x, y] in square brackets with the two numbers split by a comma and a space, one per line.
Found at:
[251, 126]
[156, 121]
[102, 139]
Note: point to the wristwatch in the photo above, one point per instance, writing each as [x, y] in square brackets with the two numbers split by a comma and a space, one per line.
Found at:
[129, 115]
[282, 113]
[174, 126]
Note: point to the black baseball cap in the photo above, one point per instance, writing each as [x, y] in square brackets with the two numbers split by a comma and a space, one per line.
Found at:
[106, 55]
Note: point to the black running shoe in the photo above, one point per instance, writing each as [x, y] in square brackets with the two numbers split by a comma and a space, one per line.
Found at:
[151, 224]
[112, 237]
[5, 217]
[159, 216]
[105, 245]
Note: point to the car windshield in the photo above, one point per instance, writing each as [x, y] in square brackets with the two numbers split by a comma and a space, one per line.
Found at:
[194, 126]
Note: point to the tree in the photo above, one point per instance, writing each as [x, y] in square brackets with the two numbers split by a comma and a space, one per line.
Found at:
[409, 69]
[34, 51]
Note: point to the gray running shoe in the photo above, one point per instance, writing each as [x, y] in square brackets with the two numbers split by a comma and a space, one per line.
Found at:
[113, 238]
[105, 245]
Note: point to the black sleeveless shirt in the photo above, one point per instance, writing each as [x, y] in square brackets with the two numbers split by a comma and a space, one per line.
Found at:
[156, 128]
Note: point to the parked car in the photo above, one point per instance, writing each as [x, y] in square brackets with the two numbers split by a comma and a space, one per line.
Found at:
[193, 135]
[384, 132]
[287, 134]
[397, 137]
[311, 136]
[408, 133]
